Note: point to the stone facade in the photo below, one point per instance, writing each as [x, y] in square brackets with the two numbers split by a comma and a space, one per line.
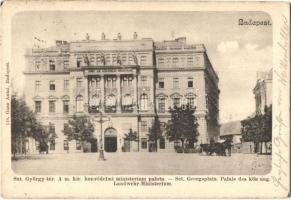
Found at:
[129, 81]
[263, 91]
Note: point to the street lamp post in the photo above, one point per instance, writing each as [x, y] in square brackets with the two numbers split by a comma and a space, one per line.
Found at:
[101, 149]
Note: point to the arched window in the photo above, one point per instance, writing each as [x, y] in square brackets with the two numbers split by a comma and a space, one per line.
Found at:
[143, 102]
[161, 104]
[79, 104]
[110, 104]
[176, 100]
[127, 103]
[94, 101]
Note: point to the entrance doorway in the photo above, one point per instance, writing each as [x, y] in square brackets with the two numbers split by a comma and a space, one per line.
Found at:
[110, 140]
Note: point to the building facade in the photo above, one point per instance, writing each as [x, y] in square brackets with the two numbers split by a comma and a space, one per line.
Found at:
[127, 81]
[263, 91]
[263, 97]
[232, 130]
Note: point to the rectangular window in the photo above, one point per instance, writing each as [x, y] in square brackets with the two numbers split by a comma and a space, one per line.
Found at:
[144, 143]
[37, 85]
[144, 81]
[130, 59]
[52, 106]
[161, 60]
[52, 65]
[161, 84]
[175, 60]
[92, 60]
[52, 85]
[66, 145]
[66, 84]
[114, 59]
[79, 82]
[123, 58]
[143, 60]
[108, 59]
[79, 62]
[161, 105]
[190, 60]
[144, 126]
[190, 83]
[52, 128]
[66, 64]
[98, 59]
[78, 145]
[37, 65]
[66, 106]
[176, 83]
[162, 143]
[37, 106]
[176, 102]
[190, 101]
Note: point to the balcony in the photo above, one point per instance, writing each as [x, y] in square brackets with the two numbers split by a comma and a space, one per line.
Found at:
[127, 90]
[110, 109]
[127, 109]
[93, 109]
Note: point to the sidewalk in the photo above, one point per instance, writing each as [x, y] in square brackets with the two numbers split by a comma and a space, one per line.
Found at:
[142, 163]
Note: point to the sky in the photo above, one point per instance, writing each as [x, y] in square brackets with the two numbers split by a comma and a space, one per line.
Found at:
[236, 52]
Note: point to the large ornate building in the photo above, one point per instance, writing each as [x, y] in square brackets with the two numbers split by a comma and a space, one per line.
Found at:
[128, 81]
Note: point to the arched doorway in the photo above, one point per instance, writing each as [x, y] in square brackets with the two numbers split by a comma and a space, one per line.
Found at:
[110, 140]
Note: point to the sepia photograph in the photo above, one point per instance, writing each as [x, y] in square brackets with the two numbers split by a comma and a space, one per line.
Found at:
[141, 93]
[118, 99]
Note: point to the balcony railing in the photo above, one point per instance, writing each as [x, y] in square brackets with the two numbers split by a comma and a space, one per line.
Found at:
[110, 109]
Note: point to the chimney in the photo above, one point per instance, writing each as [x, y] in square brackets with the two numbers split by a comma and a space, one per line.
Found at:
[181, 39]
[87, 36]
[103, 37]
[59, 42]
[134, 35]
[119, 36]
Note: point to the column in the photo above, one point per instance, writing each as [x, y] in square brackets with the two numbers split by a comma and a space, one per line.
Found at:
[102, 92]
[86, 94]
[118, 96]
[135, 91]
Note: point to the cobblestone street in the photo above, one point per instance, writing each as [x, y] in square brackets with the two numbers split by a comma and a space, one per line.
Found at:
[142, 164]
